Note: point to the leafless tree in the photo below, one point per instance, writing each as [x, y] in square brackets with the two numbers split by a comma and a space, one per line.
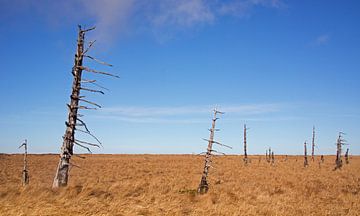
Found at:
[347, 156]
[204, 185]
[340, 142]
[25, 172]
[313, 145]
[245, 145]
[74, 123]
[305, 156]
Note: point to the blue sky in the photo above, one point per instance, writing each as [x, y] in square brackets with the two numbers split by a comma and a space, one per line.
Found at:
[278, 66]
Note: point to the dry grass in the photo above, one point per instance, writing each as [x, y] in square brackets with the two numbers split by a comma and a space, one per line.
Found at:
[166, 185]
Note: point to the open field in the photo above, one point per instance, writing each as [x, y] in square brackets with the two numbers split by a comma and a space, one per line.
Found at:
[166, 185]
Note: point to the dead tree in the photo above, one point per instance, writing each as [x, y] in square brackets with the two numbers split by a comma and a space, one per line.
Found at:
[245, 147]
[270, 155]
[313, 145]
[305, 156]
[266, 156]
[272, 158]
[347, 156]
[340, 142]
[74, 122]
[25, 172]
[204, 185]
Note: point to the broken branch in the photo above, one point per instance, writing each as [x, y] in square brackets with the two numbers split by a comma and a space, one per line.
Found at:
[98, 61]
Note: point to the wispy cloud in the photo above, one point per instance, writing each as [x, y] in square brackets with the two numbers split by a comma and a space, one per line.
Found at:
[184, 114]
[241, 8]
[113, 17]
[322, 39]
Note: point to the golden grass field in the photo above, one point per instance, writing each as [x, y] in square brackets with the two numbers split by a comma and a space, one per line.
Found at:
[166, 185]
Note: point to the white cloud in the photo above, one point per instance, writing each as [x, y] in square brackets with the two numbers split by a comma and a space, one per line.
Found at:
[322, 39]
[183, 114]
[114, 18]
[181, 13]
[240, 8]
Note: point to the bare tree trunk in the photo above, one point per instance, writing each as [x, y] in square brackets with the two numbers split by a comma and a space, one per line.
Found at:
[62, 174]
[305, 156]
[272, 158]
[339, 143]
[204, 186]
[245, 151]
[25, 173]
[313, 145]
[266, 156]
[347, 156]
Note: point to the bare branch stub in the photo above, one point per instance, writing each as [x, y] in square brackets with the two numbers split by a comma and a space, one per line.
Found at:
[204, 185]
[62, 173]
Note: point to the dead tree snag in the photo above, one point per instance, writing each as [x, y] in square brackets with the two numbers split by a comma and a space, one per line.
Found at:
[204, 185]
[245, 147]
[313, 145]
[74, 122]
[340, 142]
[347, 156]
[25, 172]
[305, 156]
[266, 156]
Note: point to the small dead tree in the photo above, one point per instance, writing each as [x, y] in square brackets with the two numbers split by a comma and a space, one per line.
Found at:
[340, 142]
[245, 147]
[267, 156]
[272, 158]
[204, 185]
[313, 145]
[74, 122]
[305, 156]
[347, 156]
[25, 172]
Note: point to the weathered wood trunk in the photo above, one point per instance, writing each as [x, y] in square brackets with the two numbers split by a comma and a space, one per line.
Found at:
[266, 156]
[339, 143]
[313, 145]
[305, 156]
[204, 186]
[347, 156]
[62, 173]
[25, 172]
[245, 147]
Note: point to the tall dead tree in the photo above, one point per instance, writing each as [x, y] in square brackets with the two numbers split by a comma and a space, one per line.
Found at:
[204, 185]
[270, 155]
[74, 122]
[347, 156]
[272, 158]
[313, 145]
[305, 155]
[340, 142]
[245, 147]
[266, 156]
[25, 172]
